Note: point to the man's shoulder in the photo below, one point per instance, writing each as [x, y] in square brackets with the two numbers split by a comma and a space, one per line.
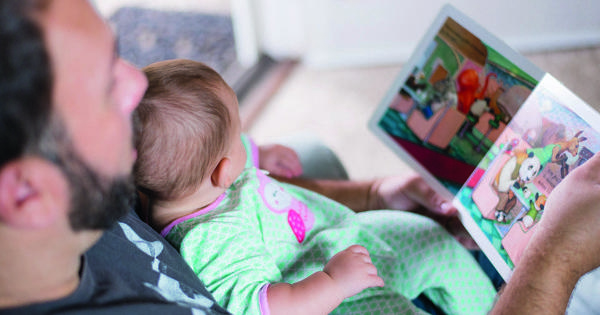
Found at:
[131, 270]
[140, 270]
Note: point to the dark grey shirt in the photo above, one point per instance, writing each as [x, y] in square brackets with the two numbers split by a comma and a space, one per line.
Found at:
[132, 270]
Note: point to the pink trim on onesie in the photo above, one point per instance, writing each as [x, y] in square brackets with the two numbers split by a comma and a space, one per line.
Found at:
[254, 150]
[204, 210]
[263, 301]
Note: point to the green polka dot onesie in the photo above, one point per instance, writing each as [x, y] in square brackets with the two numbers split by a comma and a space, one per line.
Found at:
[262, 231]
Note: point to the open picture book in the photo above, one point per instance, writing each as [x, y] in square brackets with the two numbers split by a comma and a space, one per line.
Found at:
[487, 129]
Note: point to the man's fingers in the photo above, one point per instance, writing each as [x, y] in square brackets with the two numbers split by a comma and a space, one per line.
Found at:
[446, 208]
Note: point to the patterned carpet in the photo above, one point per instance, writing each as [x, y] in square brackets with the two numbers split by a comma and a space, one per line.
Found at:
[146, 36]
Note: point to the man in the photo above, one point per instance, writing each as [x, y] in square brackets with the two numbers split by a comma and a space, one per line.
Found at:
[65, 102]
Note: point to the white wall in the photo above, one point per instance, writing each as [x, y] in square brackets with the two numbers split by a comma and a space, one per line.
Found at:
[330, 33]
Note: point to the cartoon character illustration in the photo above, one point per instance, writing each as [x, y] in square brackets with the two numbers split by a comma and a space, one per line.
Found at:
[437, 95]
[521, 168]
[275, 197]
[526, 164]
[533, 215]
[468, 85]
[299, 217]
[477, 109]
[412, 83]
[565, 153]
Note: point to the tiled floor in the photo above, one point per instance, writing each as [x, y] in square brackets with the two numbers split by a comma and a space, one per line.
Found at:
[335, 105]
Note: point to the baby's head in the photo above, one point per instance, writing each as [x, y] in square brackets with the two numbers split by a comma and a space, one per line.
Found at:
[188, 132]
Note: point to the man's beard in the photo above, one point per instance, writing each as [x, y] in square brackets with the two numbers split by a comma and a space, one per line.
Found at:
[97, 202]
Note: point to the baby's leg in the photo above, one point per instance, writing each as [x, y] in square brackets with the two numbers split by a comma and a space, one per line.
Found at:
[423, 257]
[384, 304]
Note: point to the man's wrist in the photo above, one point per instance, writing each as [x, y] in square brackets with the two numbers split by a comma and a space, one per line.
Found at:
[543, 281]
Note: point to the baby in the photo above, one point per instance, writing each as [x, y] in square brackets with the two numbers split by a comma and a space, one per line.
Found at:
[261, 246]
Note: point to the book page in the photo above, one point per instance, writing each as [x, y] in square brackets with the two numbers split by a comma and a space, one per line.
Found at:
[452, 100]
[553, 133]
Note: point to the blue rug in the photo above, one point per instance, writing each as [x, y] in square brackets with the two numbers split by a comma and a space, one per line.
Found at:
[146, 36]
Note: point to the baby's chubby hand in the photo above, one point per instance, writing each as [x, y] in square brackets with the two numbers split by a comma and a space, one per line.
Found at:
[353, 271]
[279, 160]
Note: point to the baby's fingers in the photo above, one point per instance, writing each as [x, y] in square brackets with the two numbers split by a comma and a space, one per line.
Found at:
[367, 265]
[291, 163]
[375, 281]
[358, 249]
[371, 278]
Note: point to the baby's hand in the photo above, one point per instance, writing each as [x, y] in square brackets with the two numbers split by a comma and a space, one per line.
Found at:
[279, 160]
[353, 271]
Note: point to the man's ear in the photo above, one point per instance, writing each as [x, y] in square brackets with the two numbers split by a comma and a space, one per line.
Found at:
[32, 193]
[221, 176]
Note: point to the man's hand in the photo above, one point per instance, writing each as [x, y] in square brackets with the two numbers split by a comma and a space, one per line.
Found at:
[570, 226]
[412, 193]
[353, 271]
[564, 247]
[408, 193]
[279, 160]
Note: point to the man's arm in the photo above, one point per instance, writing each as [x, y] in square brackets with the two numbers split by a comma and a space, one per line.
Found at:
[541, 284]
[408, 193]
[353, 194]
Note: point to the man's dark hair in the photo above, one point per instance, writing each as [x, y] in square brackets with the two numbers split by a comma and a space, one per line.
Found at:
[25, 80]
[29, 127]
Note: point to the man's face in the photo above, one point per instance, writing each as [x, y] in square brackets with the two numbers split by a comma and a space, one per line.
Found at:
[94, 94]
[94, 91]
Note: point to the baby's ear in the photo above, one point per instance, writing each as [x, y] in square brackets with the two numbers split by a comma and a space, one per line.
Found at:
[221, 176]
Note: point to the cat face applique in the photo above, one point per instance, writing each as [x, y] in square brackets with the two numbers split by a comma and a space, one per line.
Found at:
[299, 217]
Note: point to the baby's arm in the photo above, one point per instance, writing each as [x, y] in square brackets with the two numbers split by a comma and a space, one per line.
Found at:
[279, 160]
[346, 274]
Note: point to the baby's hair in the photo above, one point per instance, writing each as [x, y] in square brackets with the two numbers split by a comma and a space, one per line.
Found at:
[182, 128]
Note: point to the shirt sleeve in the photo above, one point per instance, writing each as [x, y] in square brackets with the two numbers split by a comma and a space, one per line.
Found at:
[229, 256]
